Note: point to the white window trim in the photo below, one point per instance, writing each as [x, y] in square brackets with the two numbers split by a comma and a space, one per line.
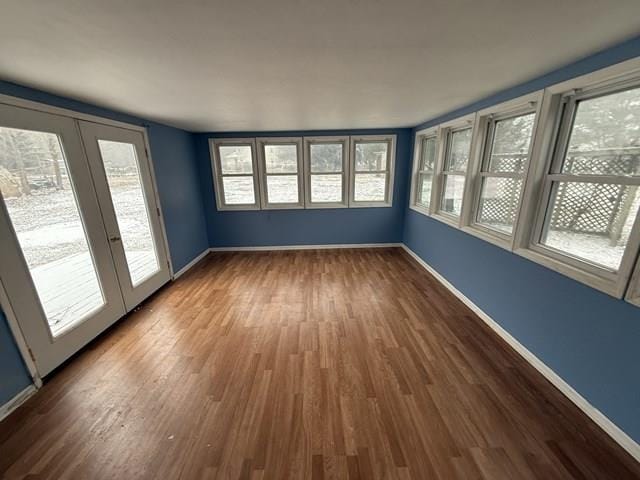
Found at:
[216, 169]
[537, 195]
[437, 190]
[261, 142]
[344, 141]
[633, 291]
[390, 170]
[530, 103]
[417, 160]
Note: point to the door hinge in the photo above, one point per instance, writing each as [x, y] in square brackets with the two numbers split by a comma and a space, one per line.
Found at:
[33, 357]
[146, 152]
[158, 210]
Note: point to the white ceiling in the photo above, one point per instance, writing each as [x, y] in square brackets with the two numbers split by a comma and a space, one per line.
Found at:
[297, 64]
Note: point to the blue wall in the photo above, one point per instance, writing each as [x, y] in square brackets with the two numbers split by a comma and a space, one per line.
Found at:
[13, 374]
[590, 339]
[175, 166]
[306, 227]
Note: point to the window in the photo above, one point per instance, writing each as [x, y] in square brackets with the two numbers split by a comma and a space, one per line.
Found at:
[234, 170]
[506, 132]
[456, 141]
[372, 166]
[280, 163]
[326, 166]
[426, 150]
[590, 194]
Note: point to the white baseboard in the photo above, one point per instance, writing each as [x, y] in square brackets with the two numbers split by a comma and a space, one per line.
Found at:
[620, 437]
[326, 246]
[191, 264]
[16, 401]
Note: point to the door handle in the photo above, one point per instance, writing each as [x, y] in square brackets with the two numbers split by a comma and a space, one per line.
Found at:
[114, 239]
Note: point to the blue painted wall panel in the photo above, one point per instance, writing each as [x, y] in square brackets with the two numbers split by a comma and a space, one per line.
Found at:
[13, 374]
[590, 339]
[306, 227]
[177, 177]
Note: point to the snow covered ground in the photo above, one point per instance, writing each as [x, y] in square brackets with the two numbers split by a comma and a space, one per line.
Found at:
[69, 290]
[325, 188]
[54, 244]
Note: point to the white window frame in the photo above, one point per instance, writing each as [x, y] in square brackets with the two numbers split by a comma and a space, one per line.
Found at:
[437, 190]
[547, 157]
[214, 145]
[319, 140]
[261, 142]
[485, 124]
[416, 173]
[389, 171]
[633, 291]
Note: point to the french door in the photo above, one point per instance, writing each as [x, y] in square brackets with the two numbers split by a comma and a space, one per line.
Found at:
[80, 238]
[124, 186]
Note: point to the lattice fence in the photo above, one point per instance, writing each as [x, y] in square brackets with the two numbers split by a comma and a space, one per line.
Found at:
[500, 201]
[600, 209]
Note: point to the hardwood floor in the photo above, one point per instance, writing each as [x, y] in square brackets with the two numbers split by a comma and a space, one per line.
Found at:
[310, 364]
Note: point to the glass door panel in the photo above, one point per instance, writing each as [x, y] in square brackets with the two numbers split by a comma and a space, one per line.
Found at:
[42, 205]
[121, 169]
[124, 186]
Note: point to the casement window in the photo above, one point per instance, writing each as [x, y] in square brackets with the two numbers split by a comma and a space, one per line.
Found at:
[500, 166]
[424, 166]
[372, 167]
[585, 223]
[281, 172]
[455, 139]
[235, 173]
[326, 162]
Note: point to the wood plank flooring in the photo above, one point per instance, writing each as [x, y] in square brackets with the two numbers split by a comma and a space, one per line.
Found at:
[345, 364]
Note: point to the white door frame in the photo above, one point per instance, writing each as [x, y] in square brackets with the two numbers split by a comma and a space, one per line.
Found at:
[11, 319]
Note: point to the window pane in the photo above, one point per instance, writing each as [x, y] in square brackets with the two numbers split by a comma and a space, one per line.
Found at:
[591, 221]
[326, 188]
[458, 151]
[499, 200]
[235, 159]
[282, 189]
[605, 138]
[452, 194]
[370, 187]
[238, 190]
[510, 147]
[326, 157]
[40, 199]
[121, 167]
[425, 180]
[371, 156]
[281, 158]
[428, 159]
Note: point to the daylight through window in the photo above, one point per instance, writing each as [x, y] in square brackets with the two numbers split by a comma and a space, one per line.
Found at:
[593, 194]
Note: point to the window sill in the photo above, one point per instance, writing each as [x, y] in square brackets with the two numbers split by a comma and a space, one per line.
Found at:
[447, 219]
[421, 210]
[606, 285]
[325, 206]
[369, 205]
[487, 235]
[283, 207]
[239, 208]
